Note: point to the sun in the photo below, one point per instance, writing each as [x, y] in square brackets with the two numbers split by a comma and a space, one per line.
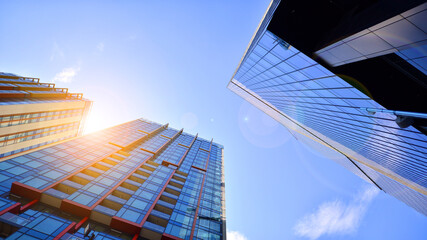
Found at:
[95, 121]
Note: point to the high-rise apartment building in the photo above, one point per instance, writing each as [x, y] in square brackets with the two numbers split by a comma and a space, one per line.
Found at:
[33, 114]
[137, 180]
[351, 76]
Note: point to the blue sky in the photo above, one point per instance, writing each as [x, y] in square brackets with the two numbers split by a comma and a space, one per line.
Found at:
[170, 61]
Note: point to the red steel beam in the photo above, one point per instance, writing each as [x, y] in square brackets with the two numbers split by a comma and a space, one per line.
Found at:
[186, 152]
[201, 169]
[155, 200]
[79, 224]
[65, 231]
[28, 205]
[133, 228]
[166, 236]
[29, 192]
[200, 193]
[127, 176]
[15, 208]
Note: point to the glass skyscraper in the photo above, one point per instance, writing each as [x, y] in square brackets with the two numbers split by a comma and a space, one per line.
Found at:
[137, 180]
[34, 114]
[304, 94]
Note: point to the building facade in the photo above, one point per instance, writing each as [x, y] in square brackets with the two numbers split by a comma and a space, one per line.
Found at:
[335, 98]
[137, 180]
[33, 114]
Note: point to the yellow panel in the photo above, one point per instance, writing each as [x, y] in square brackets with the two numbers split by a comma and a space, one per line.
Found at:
[36, 141]
[39, 107]
[100, 217]
[2, 80]
[50, 200]
[35, 88]
[49, 94]
[37, 125]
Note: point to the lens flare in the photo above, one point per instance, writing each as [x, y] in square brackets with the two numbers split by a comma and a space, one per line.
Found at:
[189, 120]
[260, 129]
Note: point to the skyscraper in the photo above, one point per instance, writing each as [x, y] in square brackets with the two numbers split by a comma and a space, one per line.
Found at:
[137, 180]
[336, 72]
[33, 114]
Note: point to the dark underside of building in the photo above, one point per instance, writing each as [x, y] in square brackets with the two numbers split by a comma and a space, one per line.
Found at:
[312, 25]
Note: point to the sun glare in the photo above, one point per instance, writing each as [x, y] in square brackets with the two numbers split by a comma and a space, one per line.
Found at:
[95, 122]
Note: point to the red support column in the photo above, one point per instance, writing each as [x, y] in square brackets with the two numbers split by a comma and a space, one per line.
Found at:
[28, 205]
[79, 224]
[200, 193]
[66, 230]
[72, 228]
[155, 200]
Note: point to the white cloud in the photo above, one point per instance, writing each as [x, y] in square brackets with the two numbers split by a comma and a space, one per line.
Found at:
[66, 75]
[336, 217]
[56, 52]
[234, 235]
[100, 46]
